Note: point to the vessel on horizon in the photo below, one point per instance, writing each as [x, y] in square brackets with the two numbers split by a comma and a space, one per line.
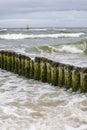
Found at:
[27, 27]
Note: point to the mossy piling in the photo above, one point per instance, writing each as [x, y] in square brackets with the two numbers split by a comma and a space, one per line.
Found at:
[45, 70]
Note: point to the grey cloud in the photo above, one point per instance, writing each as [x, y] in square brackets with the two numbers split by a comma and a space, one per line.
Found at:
[15, 7]
[43, 12]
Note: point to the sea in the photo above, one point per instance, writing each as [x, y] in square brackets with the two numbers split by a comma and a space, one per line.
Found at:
[27, 104]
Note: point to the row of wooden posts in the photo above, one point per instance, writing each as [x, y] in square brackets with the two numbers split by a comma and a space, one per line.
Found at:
[45, 70]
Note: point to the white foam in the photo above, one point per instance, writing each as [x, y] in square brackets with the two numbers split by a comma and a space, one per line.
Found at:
[24, 36]
[82, 127]
[38, 29]
[3, 30]
[70, 49]
[59, 29]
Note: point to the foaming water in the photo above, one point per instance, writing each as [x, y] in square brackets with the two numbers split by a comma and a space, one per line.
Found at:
[32, 105]
[24, 36]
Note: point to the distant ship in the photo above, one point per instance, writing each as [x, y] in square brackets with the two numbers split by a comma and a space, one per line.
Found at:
[27, 27]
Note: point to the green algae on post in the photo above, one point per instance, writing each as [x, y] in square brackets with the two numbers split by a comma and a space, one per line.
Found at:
[31, 69]
[23, 65]
[9, 61]
[27, 67]
[19, 64]
[13, 61]
[16, 64]
[37, 68]
[68, 76]
[5, 60]
[83, 80]
[75, 79]
[54, 73]
[43, 67]
[48, 63]
[2, 59]
[61, 75]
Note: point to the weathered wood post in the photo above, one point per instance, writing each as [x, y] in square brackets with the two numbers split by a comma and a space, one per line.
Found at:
[13, 61]
[61, 75]
[9, 61]
[68, 76]
[23, 65]
[16, 63]
[31, 69]
[43, 67]
[27, 67]
[83, 80]
[48, 63]
[5, 60]
[19, 64]
[75, 79]
[54, 73]
[2, 59]
[37, 68]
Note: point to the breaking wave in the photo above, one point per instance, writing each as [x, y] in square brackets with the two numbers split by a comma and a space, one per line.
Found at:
[66, 48]
[26, 36]
[69, 49]
[3, 30]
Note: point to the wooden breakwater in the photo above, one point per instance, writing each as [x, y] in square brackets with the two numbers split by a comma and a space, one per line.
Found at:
[45, 70]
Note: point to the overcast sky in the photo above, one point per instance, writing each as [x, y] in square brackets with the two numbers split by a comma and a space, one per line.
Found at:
[43, 13]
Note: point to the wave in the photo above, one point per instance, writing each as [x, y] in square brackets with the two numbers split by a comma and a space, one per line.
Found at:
[38, 29]
[25, 36]
[2, 30]
[47, 29]
[75, 48]
[59, 29]
[69, 49]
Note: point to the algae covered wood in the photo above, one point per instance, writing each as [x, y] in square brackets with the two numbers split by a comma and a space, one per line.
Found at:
[31, 69]
[61, 75]
[75, 79]
[54, 73]
[49, 62]
[43, 68]
[68, 76]
[27, 67]
[37, 69]
[46, 70]
[83, 80]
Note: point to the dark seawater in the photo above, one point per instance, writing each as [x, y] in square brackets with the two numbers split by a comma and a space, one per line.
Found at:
[32, 105]
[68, 45]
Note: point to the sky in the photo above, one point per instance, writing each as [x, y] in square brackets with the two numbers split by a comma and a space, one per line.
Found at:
[43, 13]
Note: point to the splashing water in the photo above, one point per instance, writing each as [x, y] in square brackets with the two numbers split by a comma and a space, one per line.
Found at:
[32, 105]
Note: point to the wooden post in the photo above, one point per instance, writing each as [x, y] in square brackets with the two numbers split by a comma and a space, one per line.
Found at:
[43, 67]
[5, 60]
[83, 79]
[9, 61]
[19, 64]
[75, 79]
[48, 63]
[68, 76]
[16, 63]
[2, 59]
[31, 69]
[23, 65]
[61, 75]
[37, 68]
[54, 73]
[13, 61]
[27, 67]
